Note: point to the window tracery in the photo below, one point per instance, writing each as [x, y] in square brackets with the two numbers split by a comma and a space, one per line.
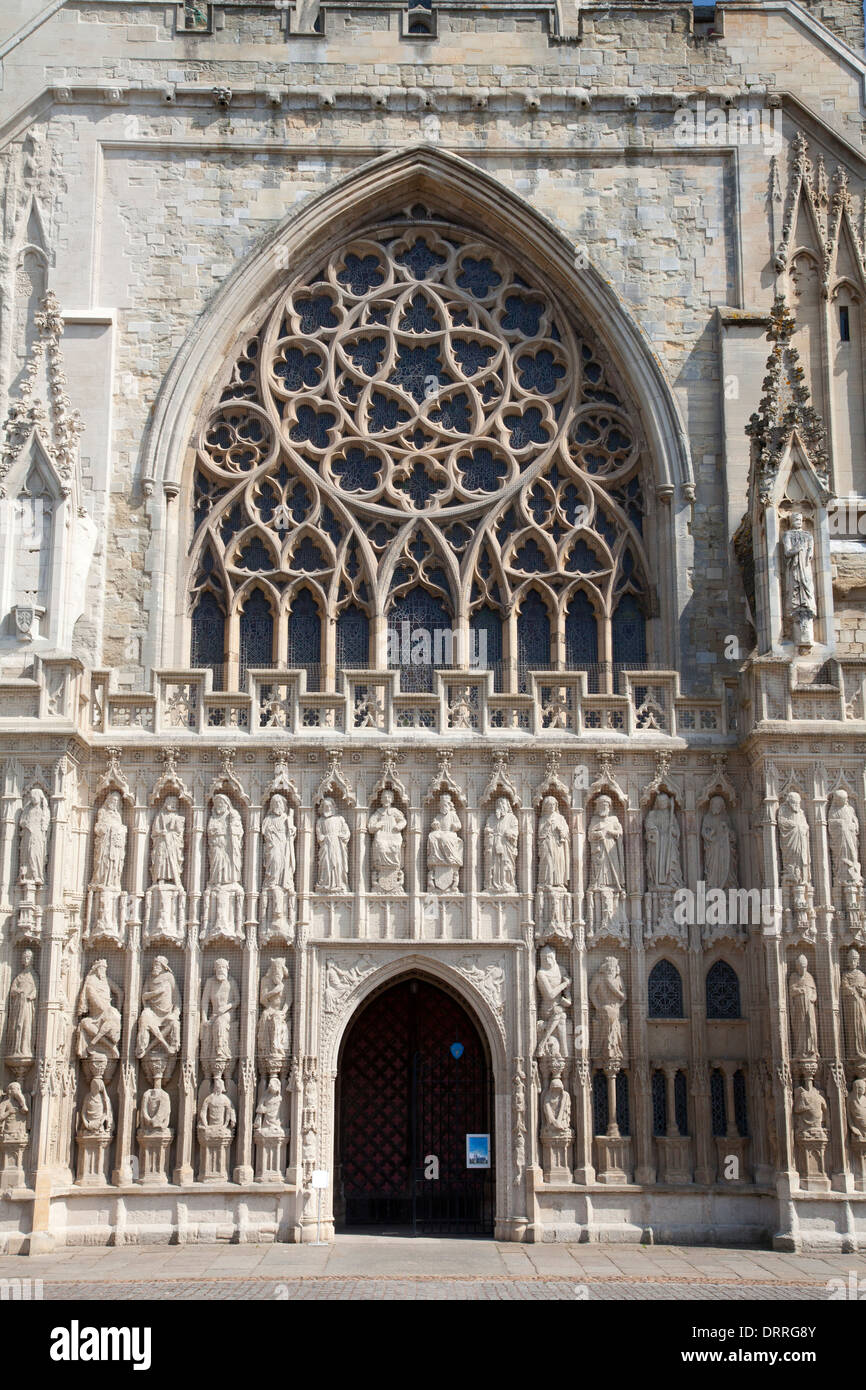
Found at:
[415, 415]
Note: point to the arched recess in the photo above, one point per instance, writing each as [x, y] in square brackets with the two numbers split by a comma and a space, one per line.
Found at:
[394, 182]
[490, 1029]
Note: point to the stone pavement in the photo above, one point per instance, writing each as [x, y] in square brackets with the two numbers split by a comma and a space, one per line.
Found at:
[392, 1267]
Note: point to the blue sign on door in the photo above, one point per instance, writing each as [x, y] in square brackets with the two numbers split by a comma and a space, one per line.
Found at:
[457, 1051]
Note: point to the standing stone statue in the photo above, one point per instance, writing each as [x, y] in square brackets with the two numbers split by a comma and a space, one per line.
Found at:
[798, 548]
[843, 832]
[802, 998]
[855, 1107]
[386, 825]
[166, 898]
[223, 915]
[553, 1004]
[272, 1038]
[662, 834]
[159, 1020]
[100, 1021]
[21, 1018]
[793, 839]
[332, 838]
[500, 845]
[106, 895]
[853, 1000]
[219, 1001]
[444, 849]
[33, 838]
[719, 845]
[606, 872]
[279, 833]
[554, 870]
[607, 996]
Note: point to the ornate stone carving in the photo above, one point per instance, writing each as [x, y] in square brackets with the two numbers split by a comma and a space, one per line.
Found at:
[106, 915]
[14, 1115]
[98, 1033]
[852, 993]
[272, 1036]
[154, 1133]
[386, 826]
[553, 900]
[157, 1040]
[553, 1004]
[488, 979]
[279, 834]
[33, 838]
[21, 1015]
[793, 839]
[217, 1120]
[843, 834]
[855, 1108]
[501, 832]
[219, 1002]
[223, 902]
[556, 1131]
[269, 1133]
[165, 900]
[606, 886]
[607, 996]
[798, 548]
[444, 848]
[341, 980]
[802, 998]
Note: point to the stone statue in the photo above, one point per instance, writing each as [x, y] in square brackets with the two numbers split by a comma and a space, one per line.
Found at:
[267, 1121]
[554, 856]
[33, 838]
[802, 997]
[553, 1003]
[159, 1020]
[853, 1000]
[607, 996]
[606, 872]
[216, 1117]
[798, 548]
[332, 838]
[810, 1111]
[21, 1018]
[96, 1115]
[166, 898]
[100, 1022]
[219, 1001]
[855, 1107]
[386, 825]
[224, 895]
[109, 844]
[843, 832]
[340, 982]
[154, 1116]
[555, 1109]
[444, 849]
[793, 839]
[272, 1038]
[13, 1113]
[662, 834]
[500, 845]
[279, 833]
[719, 844]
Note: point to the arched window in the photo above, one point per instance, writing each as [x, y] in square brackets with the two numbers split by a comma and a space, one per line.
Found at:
[581, 637]
[305, 636]
[533, 637]
[723, 991]
[485, 648]
[353, 638]
[718, 1107]
[256, 634]
[628, 634]
[420, 638]
[208, 636]
[665, 991]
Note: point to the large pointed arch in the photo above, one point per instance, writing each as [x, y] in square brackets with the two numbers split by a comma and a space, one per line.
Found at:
[394, 182]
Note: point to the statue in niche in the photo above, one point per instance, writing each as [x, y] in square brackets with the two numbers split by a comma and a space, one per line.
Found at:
[99, 1027]
[555, 1108]
[332, 838]
[853, 1000]
[798, 548]
[843, 832]
[154, 1116]
[33, 838]
[96, 1115]
[267, 1121]
[500, 844]
[855, 1108]
[553, 1003]
[224, 895]
[662, 834]
[217, 1117]
[802, 998]
[272, 1039]
[159, 1020]
[444, 849]
[106, 904]
[606, 870]
[279, 833]
[21, 1018]
[13, 1113]
[386, 825]
[810, 1111]
[793, 839]
[219, 1001]
[554, 866]
[719, 844]
[607, 996]
[166, 894]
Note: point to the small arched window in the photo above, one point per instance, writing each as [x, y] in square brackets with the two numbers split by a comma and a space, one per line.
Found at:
[723, 991]
[581, 637]
[533, 637]
[628, 635]
[485, 648]
[305, 636]
[353, 638]
[665, 991]
[420, 637]
[256, 634]
[208, 636]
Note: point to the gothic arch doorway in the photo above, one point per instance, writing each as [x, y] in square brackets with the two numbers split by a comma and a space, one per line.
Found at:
[407, 1096]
